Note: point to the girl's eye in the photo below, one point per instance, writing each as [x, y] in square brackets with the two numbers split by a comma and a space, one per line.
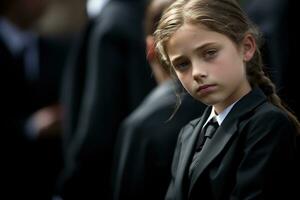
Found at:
[210, 54]
[181, 65]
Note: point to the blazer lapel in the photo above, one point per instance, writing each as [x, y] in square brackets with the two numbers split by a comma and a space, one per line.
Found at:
[187, 151]
[214, 146]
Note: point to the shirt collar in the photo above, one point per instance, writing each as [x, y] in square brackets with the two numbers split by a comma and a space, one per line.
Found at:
[220, 117]
[14, 38]
[94, 7]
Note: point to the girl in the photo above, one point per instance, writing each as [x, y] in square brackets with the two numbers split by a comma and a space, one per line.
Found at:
[213, 49]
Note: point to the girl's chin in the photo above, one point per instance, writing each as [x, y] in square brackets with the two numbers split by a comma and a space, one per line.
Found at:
[208, 102]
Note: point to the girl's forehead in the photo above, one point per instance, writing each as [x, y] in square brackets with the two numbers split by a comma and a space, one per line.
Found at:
[189, 31]
[192, 35]
[201, 30]
[194, 25]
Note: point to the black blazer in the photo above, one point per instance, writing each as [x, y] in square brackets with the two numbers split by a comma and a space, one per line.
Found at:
[24, 159]
[106, 79]
[146, 143]
[251, 155]
[22, 97]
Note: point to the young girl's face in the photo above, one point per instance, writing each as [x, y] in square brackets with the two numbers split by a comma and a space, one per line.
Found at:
[209, 65]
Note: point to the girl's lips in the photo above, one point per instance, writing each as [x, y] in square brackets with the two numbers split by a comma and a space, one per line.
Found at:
[204, 89]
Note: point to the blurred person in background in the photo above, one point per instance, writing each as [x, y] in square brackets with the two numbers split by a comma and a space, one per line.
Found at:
[275, 18]
[31, 125]
[106, 77]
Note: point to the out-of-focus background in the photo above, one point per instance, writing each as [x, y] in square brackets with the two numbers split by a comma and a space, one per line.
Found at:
[73, 70]
[64, 17]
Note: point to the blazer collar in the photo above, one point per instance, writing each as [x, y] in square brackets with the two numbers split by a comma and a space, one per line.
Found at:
[214, 146]
[187, 148]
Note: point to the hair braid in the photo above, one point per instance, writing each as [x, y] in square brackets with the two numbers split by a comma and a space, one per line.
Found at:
[257, 77]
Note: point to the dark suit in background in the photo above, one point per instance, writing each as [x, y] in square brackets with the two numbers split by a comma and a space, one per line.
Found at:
[99, 91]
[146, 143]
[275, 19]
[30, 164]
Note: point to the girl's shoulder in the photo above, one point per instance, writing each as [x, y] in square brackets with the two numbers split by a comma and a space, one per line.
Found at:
[267, 118]
[189, 128]
[270, 113]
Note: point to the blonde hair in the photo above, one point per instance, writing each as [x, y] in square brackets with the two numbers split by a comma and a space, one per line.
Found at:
[225, 17]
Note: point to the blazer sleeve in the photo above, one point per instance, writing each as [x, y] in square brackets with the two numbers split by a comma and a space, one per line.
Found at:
[268, 163]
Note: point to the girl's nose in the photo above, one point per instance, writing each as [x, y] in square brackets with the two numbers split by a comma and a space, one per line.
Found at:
[199, 71]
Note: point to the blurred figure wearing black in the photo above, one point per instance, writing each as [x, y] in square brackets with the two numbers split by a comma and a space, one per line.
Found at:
[275, 18]
[106, 78]
[146, 140]
[30, 73]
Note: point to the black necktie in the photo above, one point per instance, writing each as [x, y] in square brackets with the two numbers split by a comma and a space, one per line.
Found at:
[207, 131]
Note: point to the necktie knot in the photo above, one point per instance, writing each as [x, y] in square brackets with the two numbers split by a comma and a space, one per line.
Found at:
[207, 131]
[211, 127]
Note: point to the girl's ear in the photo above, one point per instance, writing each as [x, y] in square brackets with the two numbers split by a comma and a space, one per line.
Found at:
[249, 47]
[150, 48]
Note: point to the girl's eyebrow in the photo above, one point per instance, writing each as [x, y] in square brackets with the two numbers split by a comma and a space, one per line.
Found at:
[204, 46]
[200, 48]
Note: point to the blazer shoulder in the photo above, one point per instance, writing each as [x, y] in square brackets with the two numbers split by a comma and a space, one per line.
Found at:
[188, 129]
[267, 119]
[269, 112]
[194, 122]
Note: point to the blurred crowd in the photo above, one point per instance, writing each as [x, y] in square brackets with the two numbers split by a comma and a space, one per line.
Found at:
[88, 111]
